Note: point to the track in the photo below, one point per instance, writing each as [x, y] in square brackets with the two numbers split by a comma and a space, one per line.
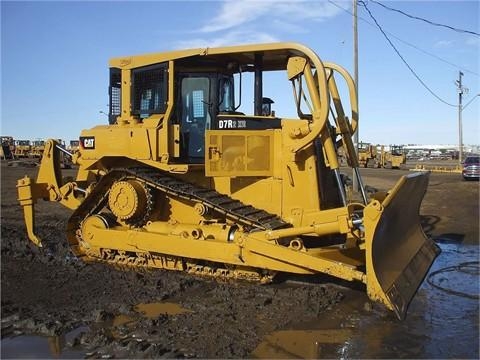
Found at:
[247, 216]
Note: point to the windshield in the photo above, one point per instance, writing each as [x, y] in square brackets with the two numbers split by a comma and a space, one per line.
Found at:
[472, 160]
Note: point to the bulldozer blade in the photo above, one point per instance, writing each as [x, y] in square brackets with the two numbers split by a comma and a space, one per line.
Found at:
[398, 253]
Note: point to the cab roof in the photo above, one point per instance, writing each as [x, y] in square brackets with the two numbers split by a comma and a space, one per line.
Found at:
[275, 55]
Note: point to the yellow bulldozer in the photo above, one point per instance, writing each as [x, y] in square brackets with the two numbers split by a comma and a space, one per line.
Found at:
[22, 149]
[7, 148]
[368, 155]
[184, 179]
[38, 147]
[73, 146]
[394, 158]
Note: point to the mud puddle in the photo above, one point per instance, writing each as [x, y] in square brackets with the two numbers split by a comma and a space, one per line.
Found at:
[42, 347]
[446, 304]
[153, 310]
[146, 310]
[69, 345]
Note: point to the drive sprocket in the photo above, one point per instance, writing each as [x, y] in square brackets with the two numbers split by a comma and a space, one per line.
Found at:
[130, 201]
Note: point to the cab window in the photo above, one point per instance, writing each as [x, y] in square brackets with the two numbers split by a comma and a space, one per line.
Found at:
[149, 93]
[226, 101]
[195, 115]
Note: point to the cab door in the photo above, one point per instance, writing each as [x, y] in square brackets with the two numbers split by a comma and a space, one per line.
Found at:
[195, 117]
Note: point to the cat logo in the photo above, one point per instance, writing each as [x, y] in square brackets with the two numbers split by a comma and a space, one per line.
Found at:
[87, 142]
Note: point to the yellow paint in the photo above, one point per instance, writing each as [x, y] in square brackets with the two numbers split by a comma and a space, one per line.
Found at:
[286, 167]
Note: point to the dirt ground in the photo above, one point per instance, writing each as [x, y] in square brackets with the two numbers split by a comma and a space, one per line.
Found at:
[95, 311]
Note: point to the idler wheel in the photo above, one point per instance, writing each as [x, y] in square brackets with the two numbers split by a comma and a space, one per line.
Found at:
[101, 221]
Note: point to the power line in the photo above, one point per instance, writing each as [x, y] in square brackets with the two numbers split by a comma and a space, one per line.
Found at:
[425, 20]
[407, 43]
[402, 58]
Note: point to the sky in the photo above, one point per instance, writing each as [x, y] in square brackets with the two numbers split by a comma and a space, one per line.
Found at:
[54, 58]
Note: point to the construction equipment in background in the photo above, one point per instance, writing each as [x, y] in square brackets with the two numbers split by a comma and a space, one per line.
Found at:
[73, 146]
[64, 156]
[368, 155]
[184, 179]
[7, 149]
[378, 156]
[22, 149]
[393, 158]
[457, 169]
[37, 149]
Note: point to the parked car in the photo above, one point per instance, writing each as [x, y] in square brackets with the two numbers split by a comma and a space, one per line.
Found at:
[471, 167]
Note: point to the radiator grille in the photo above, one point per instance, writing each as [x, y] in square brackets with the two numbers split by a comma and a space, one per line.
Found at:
[241, 153]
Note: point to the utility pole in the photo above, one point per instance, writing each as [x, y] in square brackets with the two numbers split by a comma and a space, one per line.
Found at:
[355, 75]
[460, 140]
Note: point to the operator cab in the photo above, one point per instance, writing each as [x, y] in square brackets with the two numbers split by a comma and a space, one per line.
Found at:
[200, 98]
[206, 101]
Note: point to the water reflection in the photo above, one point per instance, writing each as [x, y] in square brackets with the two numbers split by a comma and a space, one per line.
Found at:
[56, 345]
[41, 347]
[442, 321]
[31, 346]
[305, 344]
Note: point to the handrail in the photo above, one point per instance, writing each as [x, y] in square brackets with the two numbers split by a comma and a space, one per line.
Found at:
[352, 92]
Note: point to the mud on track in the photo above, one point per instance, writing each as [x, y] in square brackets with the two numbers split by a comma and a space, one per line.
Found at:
[48, 292]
